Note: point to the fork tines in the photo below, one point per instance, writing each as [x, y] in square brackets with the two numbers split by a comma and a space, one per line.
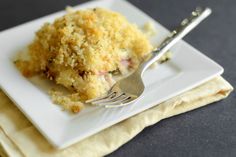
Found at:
[112, 99]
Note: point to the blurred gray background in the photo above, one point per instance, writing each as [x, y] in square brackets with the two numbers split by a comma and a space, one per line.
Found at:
[209, 131]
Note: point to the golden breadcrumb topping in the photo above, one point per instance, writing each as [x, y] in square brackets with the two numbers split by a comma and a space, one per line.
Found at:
[82, 50]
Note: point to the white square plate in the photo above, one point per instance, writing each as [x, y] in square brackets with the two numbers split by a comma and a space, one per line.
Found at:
[187, 69]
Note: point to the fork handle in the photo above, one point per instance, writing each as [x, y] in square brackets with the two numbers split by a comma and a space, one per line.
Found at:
[197, 16]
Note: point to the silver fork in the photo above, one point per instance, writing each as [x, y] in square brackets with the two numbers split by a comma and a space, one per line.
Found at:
[129, 89]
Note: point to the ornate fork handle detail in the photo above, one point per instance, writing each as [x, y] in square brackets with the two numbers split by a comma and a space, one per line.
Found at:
[185, 27]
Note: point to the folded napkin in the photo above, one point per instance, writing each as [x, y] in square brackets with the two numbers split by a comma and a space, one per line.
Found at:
[18, 137]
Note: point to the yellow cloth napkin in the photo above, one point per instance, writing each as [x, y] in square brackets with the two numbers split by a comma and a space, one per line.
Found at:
[18, 137]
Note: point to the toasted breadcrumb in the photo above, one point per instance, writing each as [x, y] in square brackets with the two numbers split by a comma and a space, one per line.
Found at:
[149, 29]
[81, 50]
[70, 9]
[69, 102]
